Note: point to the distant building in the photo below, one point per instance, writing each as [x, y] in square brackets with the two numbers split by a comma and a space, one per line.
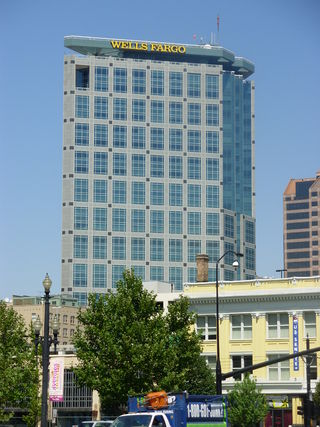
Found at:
[301, 227]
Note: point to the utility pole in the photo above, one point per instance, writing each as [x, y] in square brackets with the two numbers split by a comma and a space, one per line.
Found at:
[308, 399]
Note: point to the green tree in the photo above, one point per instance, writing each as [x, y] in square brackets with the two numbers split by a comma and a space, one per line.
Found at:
[19, 381]
[125, 345]
[316, 396]
[247, 406]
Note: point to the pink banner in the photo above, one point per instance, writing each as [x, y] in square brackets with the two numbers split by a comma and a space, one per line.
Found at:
[56, 379]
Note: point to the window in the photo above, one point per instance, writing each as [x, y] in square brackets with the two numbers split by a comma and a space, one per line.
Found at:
[212, 169]
[194, 141]
[213, 250]
[194, 114]
[81, 218]
[119, 136]
[157, 111]
[206, 327]
[80, 246]
[212, 141]
[239, 362]
[82, 107]
[99, 247]
[100, 107]
[175, 83]
[72, 320]
[175, 277]
[278, 371]
[194, 248]
[175, 195]
[99, 276]
[100, 219]
[117, 271]
[119, 248]
[175, 167]
[100, 163]
[139, 81]
[194, 85]
[101, 79]
[310, 322]
[138, 248]
[194, 195]
[175, 250]
[100, 190]
[175, 112]
[156, 139]
[81, 134]
[139, 271]
[119, 109]
[156, 193]
[175, 222]
[138, 138]
[249, 232]
[313, 367]
[229, 226]
[80, 190]
[100, 135]
[81, 162]
[212, 115]
[138, 110]
[194, 168]
[250, 257]
[119, 192]
[120, 80]
[138, 193]
[138, 164]
[81, 298]
[212, 86]
[175, 139]
[156, 221]
[212, 196]
[82, 77]
[278, 325]
[194, 222]
[211, 361]
[241, 327]
[212, 224]
[79, 275]
[138, 220]
[192, 274]
[156, 249]
[156, 273]
[157, 82]
[119, 164]
[157, 166]
[119, 219]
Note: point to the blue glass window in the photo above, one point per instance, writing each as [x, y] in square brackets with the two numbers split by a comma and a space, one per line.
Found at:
[119, 192]
[175, 167]
[156, 193]
[212, 115]
[194, 248]
[81, 162]
[250, 258]
[156, 221]
[250, 232]
[175, 250]
[175, 194]
[157, 82]
[80, 246]
[138, 137]
[139, 81]
[81, 297]
[138, 110]
[194, 141]
[119, 164]
[100, 219]
[101, 79]
[212, 86]
[138, 193]
[194, 168]
[100, 107]
[80, 190]
[175, 277]
[80, 275]
[229, 226]
[99, 276]
[139, 271]
[157, 139]
[100, 163]
[212, 196]
[99, 247]
[138, 164]
[156, 249]
[81, 218]
[119, 136]
[194, 85]
[175, 112]
[194, 222]
[118, 248]
[175, 140]
[120, 80]
[192, 274]
[194, 195]
[82, 107]
[212, 141]
[229, 258]
[157, 273]
[157, 166]
[119, 219]
[194, 114]
[100, 187]
[138, 248]
[175, 83]
[157, 111]
[212, 169]
[138, 220]
[82, 134]
[175, 222]
[117, 272]
[119, 109]
[212, 224]
[100, 135]
[213, 250]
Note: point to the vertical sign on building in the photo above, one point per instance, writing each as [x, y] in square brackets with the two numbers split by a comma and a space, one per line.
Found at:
[295, 343]
[56, 379]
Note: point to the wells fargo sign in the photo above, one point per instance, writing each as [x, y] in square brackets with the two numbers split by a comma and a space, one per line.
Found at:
[150, 47]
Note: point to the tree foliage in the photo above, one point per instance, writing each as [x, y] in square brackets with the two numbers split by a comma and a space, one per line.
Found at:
[126, 345]
[247, 406]
[316, 396]
[19, 381]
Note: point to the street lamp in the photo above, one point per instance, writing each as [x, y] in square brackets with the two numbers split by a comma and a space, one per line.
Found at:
[45, 342]
[218, 364]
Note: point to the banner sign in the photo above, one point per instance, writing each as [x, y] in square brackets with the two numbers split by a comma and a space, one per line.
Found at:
[295, 343]
[201, 411]
[56, 371]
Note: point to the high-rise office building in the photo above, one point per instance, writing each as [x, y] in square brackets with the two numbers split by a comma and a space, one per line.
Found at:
[301, 223]
[158, 162]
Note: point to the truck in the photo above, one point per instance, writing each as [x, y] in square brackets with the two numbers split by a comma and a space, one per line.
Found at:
[160, 409]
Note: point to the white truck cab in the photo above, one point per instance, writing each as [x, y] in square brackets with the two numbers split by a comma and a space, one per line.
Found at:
[150, 419]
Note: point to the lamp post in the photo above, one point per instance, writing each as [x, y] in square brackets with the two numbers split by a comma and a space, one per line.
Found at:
[46, 342]
[218, 364]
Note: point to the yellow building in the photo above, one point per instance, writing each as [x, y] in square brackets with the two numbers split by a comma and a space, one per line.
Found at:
[259, 320]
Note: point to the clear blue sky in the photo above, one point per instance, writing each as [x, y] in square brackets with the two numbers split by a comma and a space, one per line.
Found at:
[281, 37]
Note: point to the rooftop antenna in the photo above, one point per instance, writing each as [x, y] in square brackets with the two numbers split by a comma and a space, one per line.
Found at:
[218, 25]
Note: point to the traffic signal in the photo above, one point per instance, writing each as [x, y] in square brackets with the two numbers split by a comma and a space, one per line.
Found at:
[300, 410]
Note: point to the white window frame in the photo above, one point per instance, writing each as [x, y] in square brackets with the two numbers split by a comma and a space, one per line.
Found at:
[242, 356]
[280, 367]
[279, 326]
[206, 356]
[310, 325]
[242, 327]
[207, 330]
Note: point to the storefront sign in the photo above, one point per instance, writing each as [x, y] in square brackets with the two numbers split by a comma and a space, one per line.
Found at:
[295, 343]
[150, 47]
[56, 379]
